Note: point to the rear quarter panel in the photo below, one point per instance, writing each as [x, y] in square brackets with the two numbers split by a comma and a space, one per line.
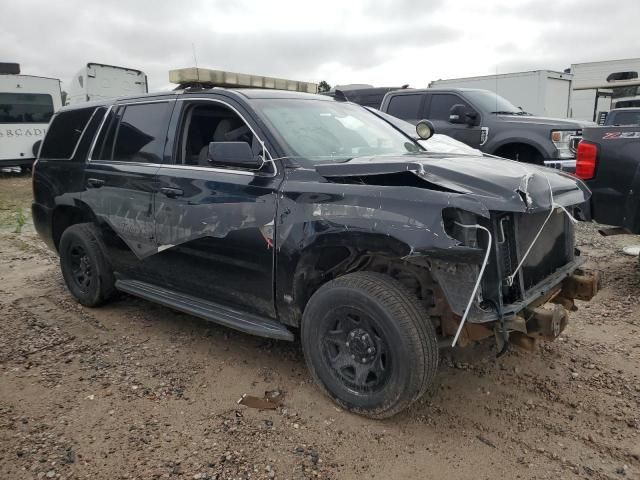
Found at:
[616, 184]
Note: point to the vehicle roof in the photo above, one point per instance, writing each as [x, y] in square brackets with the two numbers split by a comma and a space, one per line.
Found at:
[624, 109]
[6, 75]
[249, 93]
[112, 101]
[113, 66]
[271, 93]
[437, 89]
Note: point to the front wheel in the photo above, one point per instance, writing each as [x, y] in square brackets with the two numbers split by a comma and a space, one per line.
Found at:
[369, 344]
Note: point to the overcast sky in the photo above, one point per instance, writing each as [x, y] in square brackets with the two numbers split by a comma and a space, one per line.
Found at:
[381, 42]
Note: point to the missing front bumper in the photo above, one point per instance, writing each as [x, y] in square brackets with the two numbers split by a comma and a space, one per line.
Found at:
[546, 318]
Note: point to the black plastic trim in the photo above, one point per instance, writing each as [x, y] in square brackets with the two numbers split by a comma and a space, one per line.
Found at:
[236, 319]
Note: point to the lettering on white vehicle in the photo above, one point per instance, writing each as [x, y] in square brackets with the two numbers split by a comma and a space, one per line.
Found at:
[617, 135]
[22, 132]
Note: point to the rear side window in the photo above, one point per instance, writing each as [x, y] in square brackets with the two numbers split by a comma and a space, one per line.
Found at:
[64, 133]
[135, 133]
[406, 107]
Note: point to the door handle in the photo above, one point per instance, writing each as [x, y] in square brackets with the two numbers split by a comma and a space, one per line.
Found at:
[94, 182]
[171, 192]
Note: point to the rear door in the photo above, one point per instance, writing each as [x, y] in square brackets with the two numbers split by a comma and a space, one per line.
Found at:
[439, 106]
[120, 181]
[215, 225]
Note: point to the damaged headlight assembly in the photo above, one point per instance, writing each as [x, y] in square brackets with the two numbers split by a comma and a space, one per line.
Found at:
[465, 226]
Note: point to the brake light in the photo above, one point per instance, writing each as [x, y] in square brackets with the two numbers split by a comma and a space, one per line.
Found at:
[586, 160]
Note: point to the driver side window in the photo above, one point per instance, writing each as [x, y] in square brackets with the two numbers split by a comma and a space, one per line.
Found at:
[441, 105]
[205, 123]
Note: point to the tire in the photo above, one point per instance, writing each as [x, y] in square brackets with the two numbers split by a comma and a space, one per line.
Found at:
[35, 149]
[369, 344]
[84, 266]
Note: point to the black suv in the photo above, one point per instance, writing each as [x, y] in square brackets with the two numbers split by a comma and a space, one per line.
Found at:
[269, 211]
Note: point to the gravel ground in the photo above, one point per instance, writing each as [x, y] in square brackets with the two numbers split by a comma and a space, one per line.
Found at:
[134, 390]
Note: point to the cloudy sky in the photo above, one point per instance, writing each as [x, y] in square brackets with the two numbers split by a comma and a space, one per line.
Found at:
[381, 42]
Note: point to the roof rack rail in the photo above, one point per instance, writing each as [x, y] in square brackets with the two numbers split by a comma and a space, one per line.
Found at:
[204, 78]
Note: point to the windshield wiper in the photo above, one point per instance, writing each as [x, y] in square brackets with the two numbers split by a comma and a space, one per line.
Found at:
[506, 112]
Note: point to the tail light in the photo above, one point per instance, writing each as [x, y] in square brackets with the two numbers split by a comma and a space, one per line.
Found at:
[586, 160]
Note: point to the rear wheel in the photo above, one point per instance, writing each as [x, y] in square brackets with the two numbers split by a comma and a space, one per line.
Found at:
[85, 269]
[369, 344]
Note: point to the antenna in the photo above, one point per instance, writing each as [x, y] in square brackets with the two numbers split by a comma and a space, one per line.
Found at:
[496, 110]
[195, 59]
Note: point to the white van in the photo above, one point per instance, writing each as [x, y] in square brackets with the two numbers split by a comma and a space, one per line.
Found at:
[96, 81]
[27, 103]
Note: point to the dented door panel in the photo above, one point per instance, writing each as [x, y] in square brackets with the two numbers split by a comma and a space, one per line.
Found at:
[215, 241]
[121, 196]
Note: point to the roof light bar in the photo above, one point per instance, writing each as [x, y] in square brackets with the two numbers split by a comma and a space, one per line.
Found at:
[219, 78]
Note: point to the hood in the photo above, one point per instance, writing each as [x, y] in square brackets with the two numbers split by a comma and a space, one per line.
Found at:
[559, 123]
[501, 185]
[439, 143]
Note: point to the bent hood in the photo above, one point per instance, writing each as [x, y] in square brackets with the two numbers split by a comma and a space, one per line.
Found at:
[501, 185]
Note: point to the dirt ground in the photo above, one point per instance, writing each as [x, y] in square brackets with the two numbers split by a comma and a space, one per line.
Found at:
[135, 390]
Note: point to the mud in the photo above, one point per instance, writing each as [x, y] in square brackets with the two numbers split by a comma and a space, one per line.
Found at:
[134, 390]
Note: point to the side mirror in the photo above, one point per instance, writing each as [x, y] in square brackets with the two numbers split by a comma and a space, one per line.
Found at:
[424, 129]
[233, 154]
[459, 114]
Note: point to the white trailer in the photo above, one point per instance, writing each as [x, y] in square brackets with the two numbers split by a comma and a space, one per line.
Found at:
[600, 86]
[541, 92]
[96, 81]
[27, 103]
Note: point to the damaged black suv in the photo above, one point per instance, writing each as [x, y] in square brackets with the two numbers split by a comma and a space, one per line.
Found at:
[274, 211]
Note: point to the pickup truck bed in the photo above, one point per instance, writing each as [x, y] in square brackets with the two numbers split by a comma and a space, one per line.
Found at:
[608, 160]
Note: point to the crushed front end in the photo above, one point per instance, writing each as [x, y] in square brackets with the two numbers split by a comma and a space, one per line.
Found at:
[532, 277]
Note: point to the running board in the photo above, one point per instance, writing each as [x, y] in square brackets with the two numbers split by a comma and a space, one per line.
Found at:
[245, 322]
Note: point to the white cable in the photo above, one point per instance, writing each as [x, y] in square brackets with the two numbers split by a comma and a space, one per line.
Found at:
[510, 278]
[553, 206]
[475, 288]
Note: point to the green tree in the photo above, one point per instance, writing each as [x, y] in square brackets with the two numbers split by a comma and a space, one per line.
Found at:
[323, 86]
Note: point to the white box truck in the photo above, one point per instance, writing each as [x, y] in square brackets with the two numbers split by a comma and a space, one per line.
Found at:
[96, 81]
[545, 93]
[27, 103]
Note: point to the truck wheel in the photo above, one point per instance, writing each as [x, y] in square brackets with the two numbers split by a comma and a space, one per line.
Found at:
[85, 269]
[369, 344]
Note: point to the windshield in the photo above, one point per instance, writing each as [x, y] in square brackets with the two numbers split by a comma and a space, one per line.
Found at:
[330, 130]
[25, 107]
[494, 103]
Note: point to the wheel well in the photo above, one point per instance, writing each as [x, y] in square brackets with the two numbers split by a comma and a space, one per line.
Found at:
[65, 216]
[522, 152]
[332, 262]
